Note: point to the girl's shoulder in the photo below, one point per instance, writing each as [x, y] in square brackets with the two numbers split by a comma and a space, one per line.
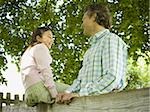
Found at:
[40, 46]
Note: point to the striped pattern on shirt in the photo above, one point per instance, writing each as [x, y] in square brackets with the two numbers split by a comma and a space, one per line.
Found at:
[104, 66]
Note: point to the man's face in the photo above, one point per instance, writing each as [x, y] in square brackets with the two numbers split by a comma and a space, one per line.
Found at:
[88, 24]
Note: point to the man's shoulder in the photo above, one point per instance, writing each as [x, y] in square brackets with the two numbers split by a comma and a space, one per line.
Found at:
[114, 37]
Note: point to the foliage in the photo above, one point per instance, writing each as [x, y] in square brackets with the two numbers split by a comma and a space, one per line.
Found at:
[3, 67]
[18, 18]
[138, 75]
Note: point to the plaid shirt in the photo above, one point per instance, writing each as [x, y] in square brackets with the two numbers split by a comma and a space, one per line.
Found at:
[104, 66]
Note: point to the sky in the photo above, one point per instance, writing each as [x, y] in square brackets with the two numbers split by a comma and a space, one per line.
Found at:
[14, 84]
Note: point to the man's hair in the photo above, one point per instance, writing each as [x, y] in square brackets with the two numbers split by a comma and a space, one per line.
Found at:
[103, 16]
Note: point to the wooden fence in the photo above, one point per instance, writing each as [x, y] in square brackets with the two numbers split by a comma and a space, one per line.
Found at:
[125, 101]
[15, 104]
[8, 100]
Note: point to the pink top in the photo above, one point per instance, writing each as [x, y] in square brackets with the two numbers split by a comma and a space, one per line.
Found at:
[35, 67]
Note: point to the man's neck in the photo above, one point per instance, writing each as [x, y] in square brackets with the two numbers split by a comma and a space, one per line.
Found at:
[96, 29]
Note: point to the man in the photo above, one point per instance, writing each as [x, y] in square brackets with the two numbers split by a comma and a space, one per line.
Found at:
[104, 63]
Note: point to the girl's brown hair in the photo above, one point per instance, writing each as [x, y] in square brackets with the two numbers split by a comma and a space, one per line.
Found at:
[38, 32]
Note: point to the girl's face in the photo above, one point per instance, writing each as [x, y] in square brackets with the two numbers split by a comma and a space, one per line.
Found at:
[47, 38]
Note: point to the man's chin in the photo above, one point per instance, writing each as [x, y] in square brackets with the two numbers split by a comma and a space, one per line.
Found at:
[86, 33]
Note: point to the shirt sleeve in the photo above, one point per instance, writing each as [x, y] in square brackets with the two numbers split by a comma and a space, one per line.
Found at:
[75, 87]
[43, 61]
[113, 64]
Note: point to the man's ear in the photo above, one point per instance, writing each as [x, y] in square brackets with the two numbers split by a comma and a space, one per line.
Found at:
[38, 38]
[94, 17]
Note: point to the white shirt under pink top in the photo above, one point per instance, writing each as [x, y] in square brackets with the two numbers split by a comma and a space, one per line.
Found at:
[35, 67]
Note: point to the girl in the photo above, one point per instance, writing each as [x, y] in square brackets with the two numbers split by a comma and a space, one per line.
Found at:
[36, 73]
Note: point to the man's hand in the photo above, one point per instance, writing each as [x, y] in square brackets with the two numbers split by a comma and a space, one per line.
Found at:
[65, 98]
[59, 97]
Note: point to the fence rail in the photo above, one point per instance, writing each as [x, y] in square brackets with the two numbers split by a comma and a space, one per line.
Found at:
[124, 101]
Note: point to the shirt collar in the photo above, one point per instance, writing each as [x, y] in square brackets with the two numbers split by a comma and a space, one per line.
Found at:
[93, 39]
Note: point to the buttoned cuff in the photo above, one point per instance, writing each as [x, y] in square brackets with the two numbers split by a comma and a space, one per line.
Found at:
[67, 91]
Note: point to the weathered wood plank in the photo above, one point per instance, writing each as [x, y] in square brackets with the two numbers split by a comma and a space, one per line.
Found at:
[19, 108]
[125, 101]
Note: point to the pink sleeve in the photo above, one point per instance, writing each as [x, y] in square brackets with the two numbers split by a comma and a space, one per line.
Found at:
[43, 61]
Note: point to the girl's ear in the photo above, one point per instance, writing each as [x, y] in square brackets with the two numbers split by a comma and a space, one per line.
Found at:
[38, 38]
